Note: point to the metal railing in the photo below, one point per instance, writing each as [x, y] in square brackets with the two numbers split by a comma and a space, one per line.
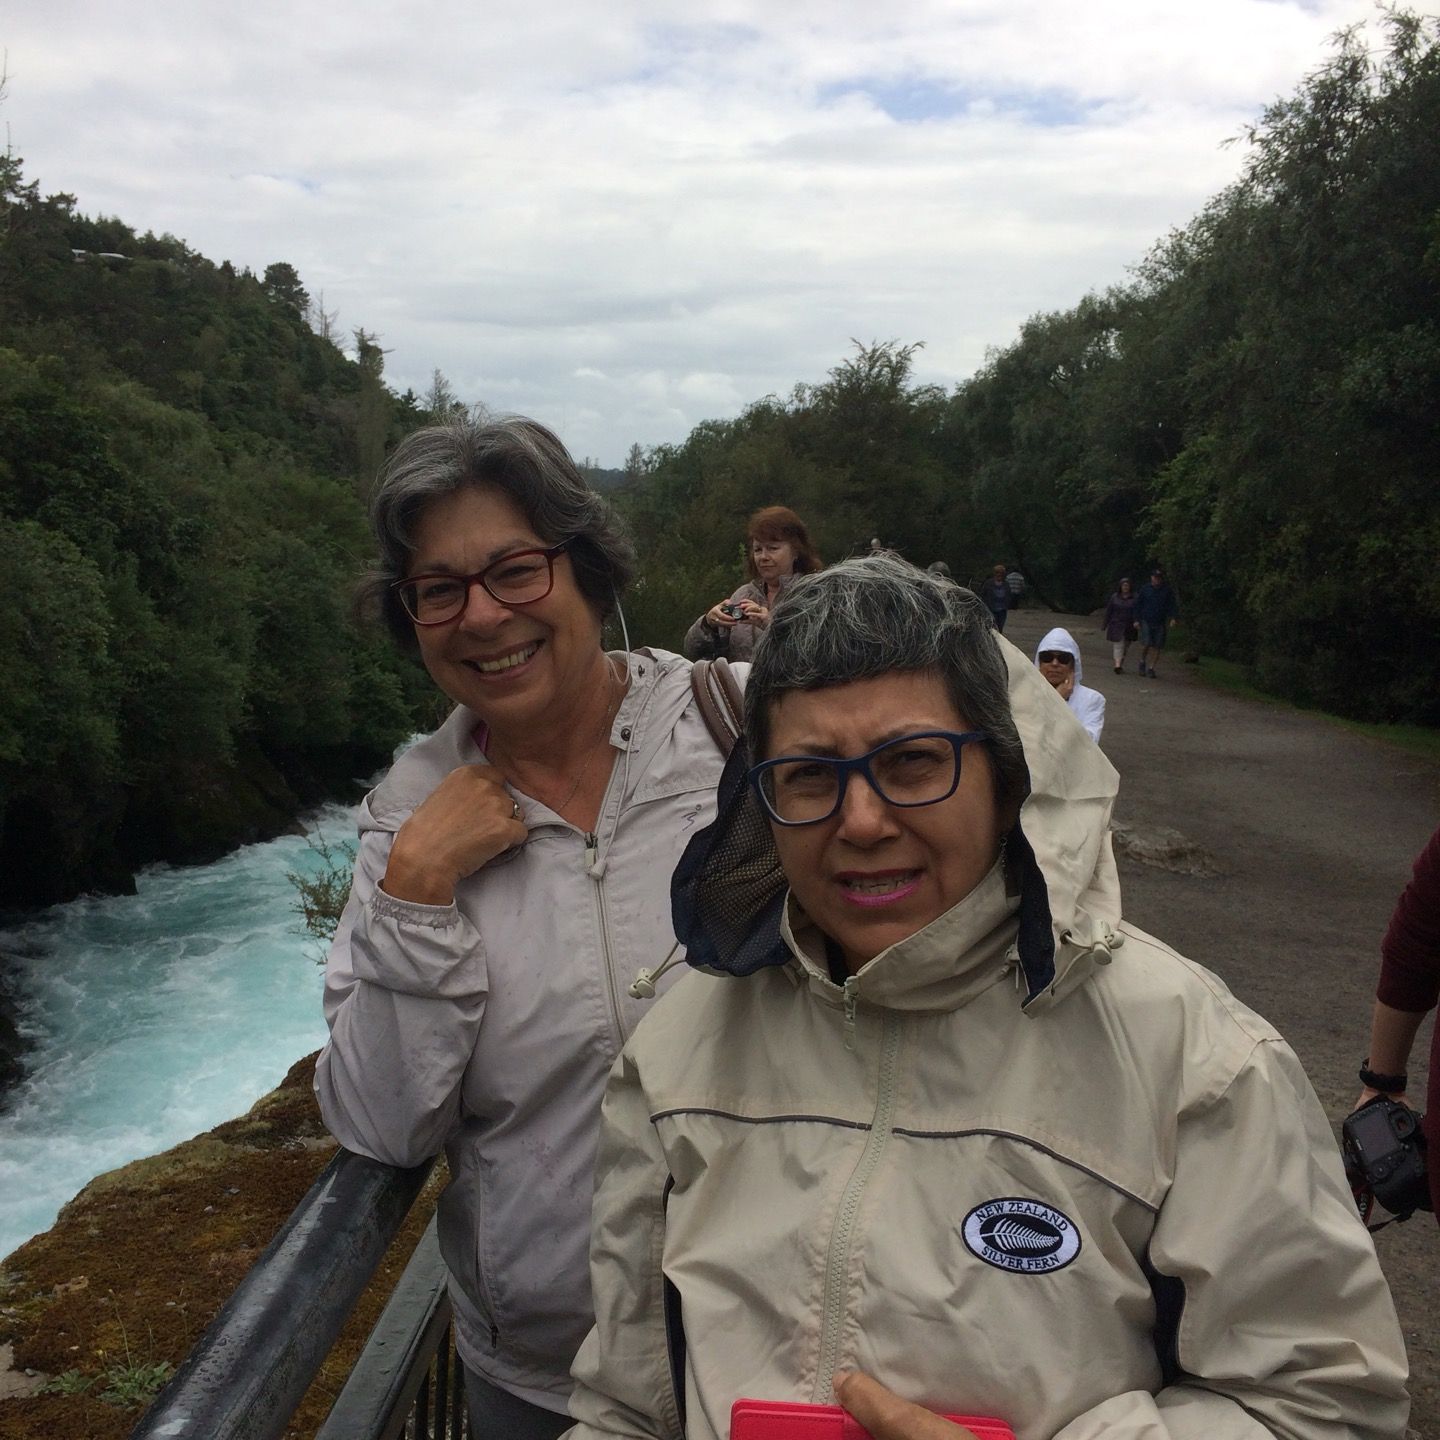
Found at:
[408, 1380]
[253, 1365]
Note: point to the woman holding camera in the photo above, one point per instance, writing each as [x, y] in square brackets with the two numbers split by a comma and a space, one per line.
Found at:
[777, 547]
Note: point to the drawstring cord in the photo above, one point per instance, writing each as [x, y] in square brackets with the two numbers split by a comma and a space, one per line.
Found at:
[1099, 953]
[642, 987]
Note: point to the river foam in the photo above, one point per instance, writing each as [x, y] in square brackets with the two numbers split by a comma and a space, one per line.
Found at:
[155, 1016]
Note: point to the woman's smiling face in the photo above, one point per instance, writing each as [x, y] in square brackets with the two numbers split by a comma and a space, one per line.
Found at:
[874, 873]
[512, 665]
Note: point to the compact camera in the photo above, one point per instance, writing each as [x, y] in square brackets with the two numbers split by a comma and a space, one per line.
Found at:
[1384, 1153]
[734, 611]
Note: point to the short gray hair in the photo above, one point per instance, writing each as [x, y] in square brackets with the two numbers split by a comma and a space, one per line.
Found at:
[527, 463]
[877, 615]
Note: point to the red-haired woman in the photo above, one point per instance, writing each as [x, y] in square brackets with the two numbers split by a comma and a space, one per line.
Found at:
[777, 546]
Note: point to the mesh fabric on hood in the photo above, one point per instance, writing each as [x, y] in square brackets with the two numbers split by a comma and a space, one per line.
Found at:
[728, 891]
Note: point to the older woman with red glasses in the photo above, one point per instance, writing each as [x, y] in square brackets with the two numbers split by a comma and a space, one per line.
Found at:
[512, 879]
[937, 1132]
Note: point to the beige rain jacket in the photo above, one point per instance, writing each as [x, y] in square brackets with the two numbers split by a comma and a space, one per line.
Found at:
[1070, 1182]
[487, 1027]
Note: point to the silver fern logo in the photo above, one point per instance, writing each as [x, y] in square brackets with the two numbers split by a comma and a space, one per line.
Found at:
[1023, 1236]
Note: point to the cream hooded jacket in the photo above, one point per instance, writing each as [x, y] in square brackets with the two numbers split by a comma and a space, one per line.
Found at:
[1028, 1163]
[487, 1027]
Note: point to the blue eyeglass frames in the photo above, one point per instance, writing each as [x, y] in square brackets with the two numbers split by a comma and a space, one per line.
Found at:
[913, 770]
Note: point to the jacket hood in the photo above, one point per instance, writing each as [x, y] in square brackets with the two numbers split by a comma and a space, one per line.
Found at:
[1058, 882]
[1061, 639]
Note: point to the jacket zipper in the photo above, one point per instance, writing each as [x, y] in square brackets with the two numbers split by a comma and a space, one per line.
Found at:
[837, 1258]
[592, 859]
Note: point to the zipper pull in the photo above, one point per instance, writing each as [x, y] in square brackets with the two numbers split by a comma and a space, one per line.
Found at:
[850, 987]
[592, 852]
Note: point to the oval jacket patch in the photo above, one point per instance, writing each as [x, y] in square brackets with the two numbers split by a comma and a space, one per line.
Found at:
[1024, 1236]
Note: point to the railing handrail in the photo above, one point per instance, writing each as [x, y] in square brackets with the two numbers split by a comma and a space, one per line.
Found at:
[252, 1366]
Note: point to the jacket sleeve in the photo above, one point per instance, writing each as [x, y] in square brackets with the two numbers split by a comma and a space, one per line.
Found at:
[1410, 969]
[405, 989]
[1091, 711]
[699, 640]
[622, 1374]
[1273, 1317]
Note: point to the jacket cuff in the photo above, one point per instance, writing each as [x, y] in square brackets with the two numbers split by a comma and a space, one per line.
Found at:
[437, 917]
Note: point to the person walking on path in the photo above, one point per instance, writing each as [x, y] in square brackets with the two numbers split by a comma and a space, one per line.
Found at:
[1119, 623]
[1157, 610]
[996, 594]
[1408, 989]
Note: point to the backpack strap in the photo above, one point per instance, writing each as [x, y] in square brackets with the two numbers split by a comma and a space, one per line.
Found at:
[721, 701]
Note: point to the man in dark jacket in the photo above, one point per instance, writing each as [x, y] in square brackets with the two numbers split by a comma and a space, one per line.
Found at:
[1157, 610]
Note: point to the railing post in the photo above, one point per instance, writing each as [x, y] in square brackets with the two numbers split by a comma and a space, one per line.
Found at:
[393, 1372]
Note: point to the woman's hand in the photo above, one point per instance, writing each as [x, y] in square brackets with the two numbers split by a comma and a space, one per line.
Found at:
[756, 615]
[886, 1416]
[1066, 688]
[717, 619]
[464, 823]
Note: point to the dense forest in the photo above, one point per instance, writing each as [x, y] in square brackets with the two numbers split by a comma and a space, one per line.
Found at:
[183, 454]
[1259, 409]
[185, 451]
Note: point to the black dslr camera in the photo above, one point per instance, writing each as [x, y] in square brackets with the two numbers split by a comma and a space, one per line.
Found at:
[1384, 1153]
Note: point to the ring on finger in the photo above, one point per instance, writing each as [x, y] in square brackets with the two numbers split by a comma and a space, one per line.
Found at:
[514, 809]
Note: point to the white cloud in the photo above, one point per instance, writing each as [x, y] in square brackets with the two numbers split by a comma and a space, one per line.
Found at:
[630, 218]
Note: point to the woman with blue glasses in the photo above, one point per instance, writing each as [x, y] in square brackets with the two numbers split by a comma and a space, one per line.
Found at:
[935, 1132]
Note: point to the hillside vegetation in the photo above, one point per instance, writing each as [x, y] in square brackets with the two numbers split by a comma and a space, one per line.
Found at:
[185, 451]
[182, 461]
[1259, 409]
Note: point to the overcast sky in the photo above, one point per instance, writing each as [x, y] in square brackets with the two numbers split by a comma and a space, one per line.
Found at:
[626, 217]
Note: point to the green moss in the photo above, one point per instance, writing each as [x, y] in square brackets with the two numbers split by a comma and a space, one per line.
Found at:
[115, 1294]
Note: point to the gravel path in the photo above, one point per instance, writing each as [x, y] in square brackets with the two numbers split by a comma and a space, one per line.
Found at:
[1270, 845]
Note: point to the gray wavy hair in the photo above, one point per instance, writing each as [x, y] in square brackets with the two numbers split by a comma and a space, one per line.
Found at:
[877, 615]
[526, 462]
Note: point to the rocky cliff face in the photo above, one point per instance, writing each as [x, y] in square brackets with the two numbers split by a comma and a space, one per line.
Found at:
[141, 1260]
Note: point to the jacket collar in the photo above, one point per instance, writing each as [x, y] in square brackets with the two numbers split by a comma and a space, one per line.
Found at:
[455, 742]
[942, 967]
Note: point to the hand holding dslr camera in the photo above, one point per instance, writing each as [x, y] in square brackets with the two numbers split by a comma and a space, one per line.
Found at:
[1385, 1159]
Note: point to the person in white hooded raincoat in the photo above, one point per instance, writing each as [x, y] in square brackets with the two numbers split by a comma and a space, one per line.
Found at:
[1050, 659]
[935, 1130]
